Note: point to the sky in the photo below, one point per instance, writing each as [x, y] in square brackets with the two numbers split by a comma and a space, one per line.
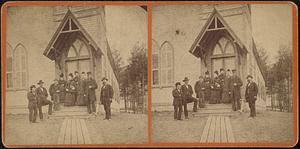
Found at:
[272, 27]
[126, 25]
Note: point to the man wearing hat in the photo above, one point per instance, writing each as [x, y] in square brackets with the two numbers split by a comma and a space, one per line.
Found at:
[106, 96]
[81, 98]
[62, 87]
[32, 104]
[177, 101]
[222, 77]
[236, 84]
[251, 95]
[226, 92]
[215, 89]
[200, 90]
[207, 82]
[54, 92]
[187, 92]
[90, 91]
[42, 95]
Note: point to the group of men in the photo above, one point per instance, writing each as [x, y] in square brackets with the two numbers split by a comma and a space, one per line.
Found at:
[79, 90]
[224, 87]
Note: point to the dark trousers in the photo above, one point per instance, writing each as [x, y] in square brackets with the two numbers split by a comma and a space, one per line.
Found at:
[43, 103]
[107, 109]
[236, 104]
[252, 108]
[177, 111]
[33, 113]
[55, 99]
[91, 106]
[189, 100]
[201, 100]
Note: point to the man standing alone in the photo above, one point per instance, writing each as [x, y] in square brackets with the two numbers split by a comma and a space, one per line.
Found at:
[106, 97]
[251, 95]
[200, 90]
[90, 88]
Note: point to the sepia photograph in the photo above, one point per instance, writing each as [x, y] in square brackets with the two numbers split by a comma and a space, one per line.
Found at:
[222, 73]
[76, 74]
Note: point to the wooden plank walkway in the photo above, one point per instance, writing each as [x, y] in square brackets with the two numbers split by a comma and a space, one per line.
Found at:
[217, 129]
[74, 131]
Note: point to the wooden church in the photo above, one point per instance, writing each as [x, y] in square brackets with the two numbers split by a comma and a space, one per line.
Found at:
[189, 40]
[56, 40]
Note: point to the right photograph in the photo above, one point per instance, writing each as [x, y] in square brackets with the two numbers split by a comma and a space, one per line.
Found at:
[222, 73]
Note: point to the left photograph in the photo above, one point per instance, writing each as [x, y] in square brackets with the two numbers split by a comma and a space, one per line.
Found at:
[75, 75]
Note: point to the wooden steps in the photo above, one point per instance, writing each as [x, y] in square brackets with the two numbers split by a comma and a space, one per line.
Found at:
[217, 129]
[74, 131]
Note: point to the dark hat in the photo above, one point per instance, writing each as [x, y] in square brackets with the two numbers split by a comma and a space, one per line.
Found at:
[249, 76]
[89, 73]
[83, 72]
[207, 72]
[216, 72]
[221, 69]
[75, 71]
[228, 69]
[233, 70]
[32, 86]
[185, 79]
[104, 78]
[40, 82]
[61, 75]
[177, 83]
[70, 74]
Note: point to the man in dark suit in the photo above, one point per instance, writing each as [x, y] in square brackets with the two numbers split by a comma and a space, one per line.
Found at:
[251, 95]
[187, 92]
[207, 83]
[90, 87]
[54, 92]
[200, 90]
[106, 96]
[41, 93]
[177, 101]
[236, 84]
[32, 104]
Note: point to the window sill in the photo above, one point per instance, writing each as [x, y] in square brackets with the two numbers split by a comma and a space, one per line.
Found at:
[14, 90]
[162, 86]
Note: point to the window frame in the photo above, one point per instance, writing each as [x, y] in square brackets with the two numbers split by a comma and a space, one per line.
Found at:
[10, 54]
[21, 70]
[158, 63]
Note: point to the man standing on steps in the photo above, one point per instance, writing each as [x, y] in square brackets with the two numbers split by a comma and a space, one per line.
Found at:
[106, 96]
[236, 84]
[200, 90]
[90, 88]
[187, 92]
[251, 95]
[207, 82]
[222, 77]
[54, 92]
[42, 95]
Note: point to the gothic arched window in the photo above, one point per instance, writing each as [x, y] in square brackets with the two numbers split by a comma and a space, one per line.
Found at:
[9, 67]
[155, 63]
[20, 67]
[166, 63]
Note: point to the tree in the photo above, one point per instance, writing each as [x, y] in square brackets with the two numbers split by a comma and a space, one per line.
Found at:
[117, 60]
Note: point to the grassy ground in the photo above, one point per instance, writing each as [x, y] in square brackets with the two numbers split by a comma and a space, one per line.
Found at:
[123, 128]
[20, 131]
[268, 126]
[166, 129]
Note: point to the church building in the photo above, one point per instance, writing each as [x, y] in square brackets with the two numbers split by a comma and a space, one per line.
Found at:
[189, 40]
[43, 42]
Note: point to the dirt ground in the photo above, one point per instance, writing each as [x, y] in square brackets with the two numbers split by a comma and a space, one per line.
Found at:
[123, 128]
[166, 129]
[268, 126]
[20, 131]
